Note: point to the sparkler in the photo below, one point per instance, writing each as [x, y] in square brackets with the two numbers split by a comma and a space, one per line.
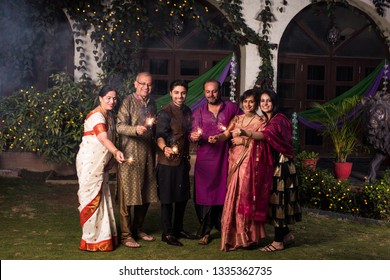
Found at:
[221, 127]
[175, 149]
[130, 160]
[149, 122]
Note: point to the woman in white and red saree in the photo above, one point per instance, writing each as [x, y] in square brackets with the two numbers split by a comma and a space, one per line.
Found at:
[93, 162]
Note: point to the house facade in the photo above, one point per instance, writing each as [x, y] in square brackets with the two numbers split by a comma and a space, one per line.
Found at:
[320, 54]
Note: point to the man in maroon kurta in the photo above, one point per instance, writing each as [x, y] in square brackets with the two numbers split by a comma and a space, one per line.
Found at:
[211, 166]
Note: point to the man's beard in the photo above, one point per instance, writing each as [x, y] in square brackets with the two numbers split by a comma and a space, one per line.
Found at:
[215, 102]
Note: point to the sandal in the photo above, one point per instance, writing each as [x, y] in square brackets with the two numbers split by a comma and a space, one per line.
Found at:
[270, 248]
[130, 242]
[146, 237]
[204, 240]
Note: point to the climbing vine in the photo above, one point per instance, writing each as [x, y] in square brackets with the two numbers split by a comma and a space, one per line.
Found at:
[119, 28]
[122, 27]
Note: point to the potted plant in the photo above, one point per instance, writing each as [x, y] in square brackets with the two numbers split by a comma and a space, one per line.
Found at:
[308, 159]
[342, 129]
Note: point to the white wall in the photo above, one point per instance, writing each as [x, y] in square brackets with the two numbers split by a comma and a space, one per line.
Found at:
[89, 47]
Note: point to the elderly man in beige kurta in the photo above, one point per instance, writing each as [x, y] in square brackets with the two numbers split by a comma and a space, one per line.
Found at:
[136, 180]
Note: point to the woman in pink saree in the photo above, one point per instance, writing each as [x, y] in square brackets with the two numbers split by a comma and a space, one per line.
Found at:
[93, 161]
[237, 231]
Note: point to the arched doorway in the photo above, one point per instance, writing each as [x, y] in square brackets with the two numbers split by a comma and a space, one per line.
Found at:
[322, 56]
[187, 53]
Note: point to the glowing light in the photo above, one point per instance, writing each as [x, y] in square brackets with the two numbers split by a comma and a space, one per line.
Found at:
[149, 122]
[130, 160]
[221, 127]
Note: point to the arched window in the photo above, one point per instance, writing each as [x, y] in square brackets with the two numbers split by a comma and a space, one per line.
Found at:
[187, 53]
[321, 56]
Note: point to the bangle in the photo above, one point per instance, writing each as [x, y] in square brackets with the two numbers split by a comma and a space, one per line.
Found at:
[250, 136]
[163, 149]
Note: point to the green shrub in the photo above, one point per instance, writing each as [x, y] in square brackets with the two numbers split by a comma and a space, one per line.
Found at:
[320, 190]
[48, 123]
[374, 199]
[307, 155]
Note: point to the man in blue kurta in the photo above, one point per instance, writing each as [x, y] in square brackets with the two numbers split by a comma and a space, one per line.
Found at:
[211, 166]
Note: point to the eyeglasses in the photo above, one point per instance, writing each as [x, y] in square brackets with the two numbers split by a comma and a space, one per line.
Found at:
[145, 84]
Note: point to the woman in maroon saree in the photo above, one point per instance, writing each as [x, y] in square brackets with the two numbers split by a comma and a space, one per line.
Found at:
[274, 196]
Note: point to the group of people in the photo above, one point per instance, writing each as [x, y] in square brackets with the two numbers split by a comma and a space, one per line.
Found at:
[244, 175]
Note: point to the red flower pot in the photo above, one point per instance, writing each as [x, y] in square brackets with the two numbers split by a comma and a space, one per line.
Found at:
[310, 162]
[342, 170]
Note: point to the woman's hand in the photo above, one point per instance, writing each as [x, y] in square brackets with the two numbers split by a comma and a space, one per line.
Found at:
[237, 141]
[119, 156]
[237, 132]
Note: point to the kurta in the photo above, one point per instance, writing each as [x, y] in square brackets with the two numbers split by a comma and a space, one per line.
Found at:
[174, 125]
[136, 181]
[237, 231]
[211, 166]
[96, 211]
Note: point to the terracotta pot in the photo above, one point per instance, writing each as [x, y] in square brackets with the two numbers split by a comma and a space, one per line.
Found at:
[310, 162]
[342, 170]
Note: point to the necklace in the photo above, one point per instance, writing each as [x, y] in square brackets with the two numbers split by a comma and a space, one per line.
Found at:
[243, 119]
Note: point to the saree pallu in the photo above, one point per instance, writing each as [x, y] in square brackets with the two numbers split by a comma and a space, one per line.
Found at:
[255, 197]
[96, 212]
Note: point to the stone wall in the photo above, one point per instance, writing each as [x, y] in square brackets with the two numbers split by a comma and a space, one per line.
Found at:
[32, 162]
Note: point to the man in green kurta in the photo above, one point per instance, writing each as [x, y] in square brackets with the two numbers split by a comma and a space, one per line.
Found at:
[136, 178]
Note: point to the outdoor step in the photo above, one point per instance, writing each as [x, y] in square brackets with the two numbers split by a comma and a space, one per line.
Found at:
[7, 173]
